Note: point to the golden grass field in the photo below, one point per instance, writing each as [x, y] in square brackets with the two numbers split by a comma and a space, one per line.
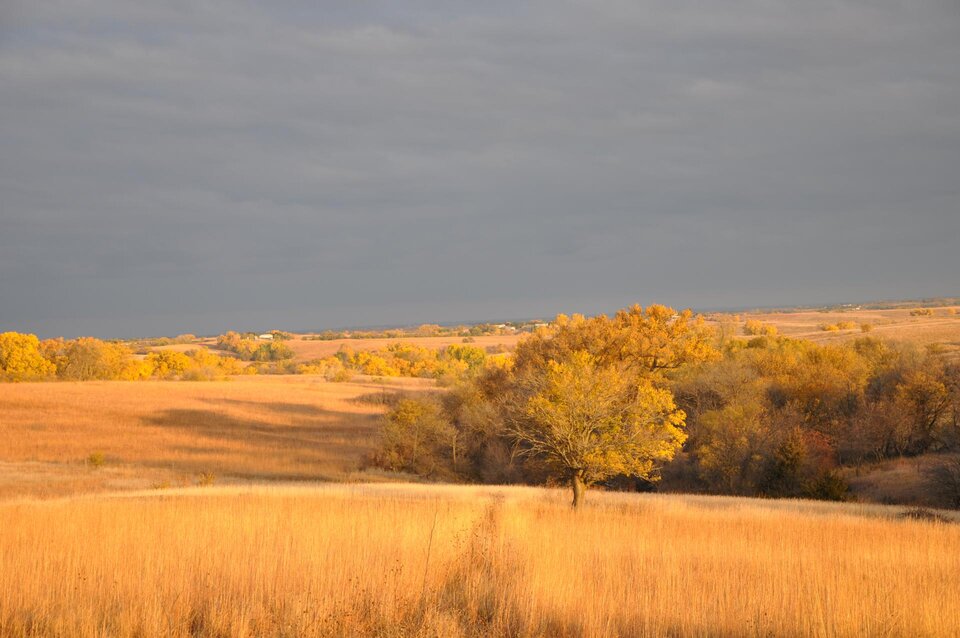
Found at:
[402, 560]
[167, 433]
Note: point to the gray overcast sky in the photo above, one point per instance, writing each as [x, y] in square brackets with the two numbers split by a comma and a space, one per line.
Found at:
[198, 166]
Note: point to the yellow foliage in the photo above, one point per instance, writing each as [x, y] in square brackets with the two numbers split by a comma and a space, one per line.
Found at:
[651, 341]
[587, 420]
[21, 359]
[168, 364]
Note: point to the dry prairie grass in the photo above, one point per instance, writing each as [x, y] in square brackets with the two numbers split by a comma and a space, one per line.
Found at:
[156, 432]
[394, 560]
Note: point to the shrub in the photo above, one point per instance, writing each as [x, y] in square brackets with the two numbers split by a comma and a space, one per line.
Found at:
[921, 312]
[829, 327]
[341, 376]
[417, 437]
[866, 327]
[96, 460]
[923, 514]
[944, 482]
[206, 478]
[756, 327]
[828, 486]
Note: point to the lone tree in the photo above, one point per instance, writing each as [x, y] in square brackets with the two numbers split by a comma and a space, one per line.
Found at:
[588, 421]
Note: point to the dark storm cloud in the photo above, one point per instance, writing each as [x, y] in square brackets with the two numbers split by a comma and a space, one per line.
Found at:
[199, 166]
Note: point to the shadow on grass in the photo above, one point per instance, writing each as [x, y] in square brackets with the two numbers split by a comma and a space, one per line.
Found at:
[258, 447]
[307, 409]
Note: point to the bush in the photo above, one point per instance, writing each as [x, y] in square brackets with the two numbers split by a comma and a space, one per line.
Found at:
[944, 482]
[342, 376]
[96, 460]
[829, 486]
[923, 514]
[866, 327]
[755, 327]
[418, 438]
[206, 478]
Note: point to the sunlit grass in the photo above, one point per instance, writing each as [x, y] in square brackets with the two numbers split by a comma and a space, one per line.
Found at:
[468, 561]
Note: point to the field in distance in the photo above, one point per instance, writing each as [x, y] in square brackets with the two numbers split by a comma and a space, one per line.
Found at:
[457, 561]
[59, 438]
[941, 327]
[307, 349]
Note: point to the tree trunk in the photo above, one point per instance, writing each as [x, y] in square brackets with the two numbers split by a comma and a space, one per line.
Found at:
[578, 488]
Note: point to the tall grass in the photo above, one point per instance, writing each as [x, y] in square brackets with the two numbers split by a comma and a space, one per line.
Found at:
[468, 561]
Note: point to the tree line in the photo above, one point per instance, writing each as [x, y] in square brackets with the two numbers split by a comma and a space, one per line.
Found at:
[24, 357]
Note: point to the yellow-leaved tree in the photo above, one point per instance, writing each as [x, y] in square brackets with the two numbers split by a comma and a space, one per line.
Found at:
[589, 421]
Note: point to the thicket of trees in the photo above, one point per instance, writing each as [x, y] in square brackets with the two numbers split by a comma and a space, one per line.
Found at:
[248, 348]
[778, 417]
[586, 400]
[23, 357]
[653, 394]
[448, 364]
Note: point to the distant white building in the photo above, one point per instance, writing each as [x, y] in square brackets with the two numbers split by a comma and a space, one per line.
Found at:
[266, 336]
